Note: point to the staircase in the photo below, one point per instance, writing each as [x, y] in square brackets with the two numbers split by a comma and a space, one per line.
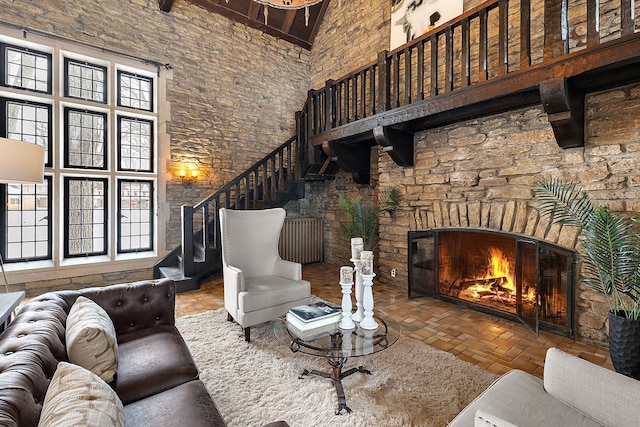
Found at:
[426, 83]
[271, 182]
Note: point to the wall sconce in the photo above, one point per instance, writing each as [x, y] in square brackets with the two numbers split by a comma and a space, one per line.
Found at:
[188, 179]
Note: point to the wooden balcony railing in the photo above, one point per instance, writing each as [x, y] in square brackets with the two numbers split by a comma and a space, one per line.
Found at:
[516, 43]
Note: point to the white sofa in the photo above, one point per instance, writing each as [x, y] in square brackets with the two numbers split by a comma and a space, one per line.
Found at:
[574, 392]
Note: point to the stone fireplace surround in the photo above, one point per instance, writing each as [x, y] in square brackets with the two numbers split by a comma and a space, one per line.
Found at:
[480, 174]
[513, 219]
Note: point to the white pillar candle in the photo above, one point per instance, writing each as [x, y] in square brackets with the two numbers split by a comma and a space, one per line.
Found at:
[346, 275]
[357, 245]
[367, 262]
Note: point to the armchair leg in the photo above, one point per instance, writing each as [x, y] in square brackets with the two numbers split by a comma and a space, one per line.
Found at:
[229, 318]
[247, 334]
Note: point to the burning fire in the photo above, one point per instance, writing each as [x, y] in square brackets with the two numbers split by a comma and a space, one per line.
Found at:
[499, 267]
[498, 282]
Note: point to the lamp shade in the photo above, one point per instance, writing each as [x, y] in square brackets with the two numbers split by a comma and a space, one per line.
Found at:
[21, 162]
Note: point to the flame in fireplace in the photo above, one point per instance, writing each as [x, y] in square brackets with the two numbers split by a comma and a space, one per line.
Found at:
[499, 267]
[498, 283]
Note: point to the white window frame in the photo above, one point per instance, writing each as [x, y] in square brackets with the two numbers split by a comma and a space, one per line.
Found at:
[58, 266]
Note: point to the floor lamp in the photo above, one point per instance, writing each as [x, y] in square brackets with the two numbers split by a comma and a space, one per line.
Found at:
[20, 163]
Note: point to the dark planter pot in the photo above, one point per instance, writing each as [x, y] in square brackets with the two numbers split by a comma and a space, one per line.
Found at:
[624, 345]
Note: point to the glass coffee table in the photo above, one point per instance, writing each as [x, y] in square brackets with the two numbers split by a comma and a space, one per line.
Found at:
[337, 346]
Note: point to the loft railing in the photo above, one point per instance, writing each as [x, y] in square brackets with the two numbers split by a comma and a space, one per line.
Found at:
[490, 41]
[498, 39]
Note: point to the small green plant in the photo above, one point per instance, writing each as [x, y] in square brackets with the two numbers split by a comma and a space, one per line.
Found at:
[610, 243]
[364, 217]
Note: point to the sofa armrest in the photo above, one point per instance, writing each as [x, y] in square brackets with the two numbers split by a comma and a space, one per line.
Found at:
[133, 306]
[599, 393]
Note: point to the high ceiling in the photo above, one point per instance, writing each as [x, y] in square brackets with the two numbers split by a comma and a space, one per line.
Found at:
[287, 24]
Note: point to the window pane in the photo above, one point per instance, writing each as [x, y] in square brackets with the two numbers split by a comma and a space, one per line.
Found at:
[86, 139]
[86, 81]
[135, 91]
[85, 223]
[26, 69]
[136, 144]
[28, 122]
[135, 223]
[27, 226]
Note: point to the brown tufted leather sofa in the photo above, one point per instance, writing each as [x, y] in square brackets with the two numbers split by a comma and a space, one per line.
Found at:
[157, 379]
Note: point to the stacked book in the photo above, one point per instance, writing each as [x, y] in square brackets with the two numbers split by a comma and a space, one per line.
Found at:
[313, 321]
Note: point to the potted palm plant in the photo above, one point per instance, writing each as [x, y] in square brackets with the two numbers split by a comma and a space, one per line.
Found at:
[610, 255]
[364, 217]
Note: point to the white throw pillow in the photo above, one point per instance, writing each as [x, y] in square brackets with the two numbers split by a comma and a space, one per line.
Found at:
[91, 339]
[77, 397]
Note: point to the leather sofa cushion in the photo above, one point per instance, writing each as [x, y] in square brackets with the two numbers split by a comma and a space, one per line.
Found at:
[152, 361]
[31, 347]
[78, 397]
[188, 404]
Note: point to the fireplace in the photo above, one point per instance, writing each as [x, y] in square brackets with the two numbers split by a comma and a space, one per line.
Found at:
[500, 273]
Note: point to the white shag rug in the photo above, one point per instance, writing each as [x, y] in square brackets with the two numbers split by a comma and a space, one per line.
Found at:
[411, 384]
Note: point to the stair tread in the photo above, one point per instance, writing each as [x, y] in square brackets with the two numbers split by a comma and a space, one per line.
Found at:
[174, 273]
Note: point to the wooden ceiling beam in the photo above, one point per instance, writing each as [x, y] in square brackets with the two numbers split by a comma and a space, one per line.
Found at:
[288, 20]
[254, 9]
[287, 27]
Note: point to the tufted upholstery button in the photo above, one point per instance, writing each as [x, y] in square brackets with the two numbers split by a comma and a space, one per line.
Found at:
[157, 317]
[131, 325]
[119, 303]
[145, 299]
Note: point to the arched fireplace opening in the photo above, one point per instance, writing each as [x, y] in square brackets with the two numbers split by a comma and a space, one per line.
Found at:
[509, 275]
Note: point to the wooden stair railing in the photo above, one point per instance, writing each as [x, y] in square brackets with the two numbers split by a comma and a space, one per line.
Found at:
[272, 181]
[483, 62]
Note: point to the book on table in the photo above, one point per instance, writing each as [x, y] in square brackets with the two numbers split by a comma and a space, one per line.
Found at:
[306, 317]
[314, 333]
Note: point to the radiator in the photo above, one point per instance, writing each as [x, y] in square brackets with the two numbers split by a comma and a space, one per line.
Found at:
[301, 240]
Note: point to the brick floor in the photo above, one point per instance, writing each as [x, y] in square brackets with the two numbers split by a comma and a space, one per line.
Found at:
[492, 343]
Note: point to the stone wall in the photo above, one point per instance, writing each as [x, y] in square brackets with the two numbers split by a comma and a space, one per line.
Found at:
[232, 95]
[491, 162]
[350, 37]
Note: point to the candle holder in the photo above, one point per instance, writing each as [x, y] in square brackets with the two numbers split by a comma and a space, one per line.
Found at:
[346, 282]
[367, 302]
[359, 314]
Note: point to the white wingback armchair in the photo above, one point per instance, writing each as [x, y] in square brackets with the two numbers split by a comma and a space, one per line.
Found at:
[259, 286]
